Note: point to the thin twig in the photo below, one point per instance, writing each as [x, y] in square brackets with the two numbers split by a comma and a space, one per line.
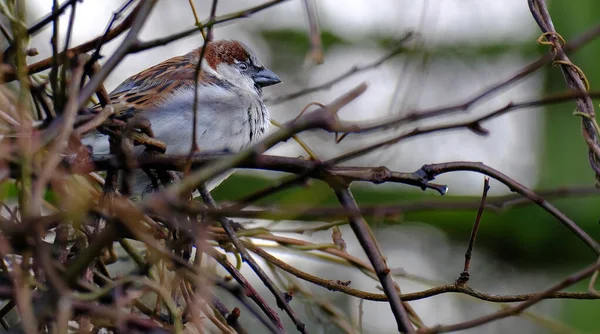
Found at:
[465, 275]
[507, 312]
[107, 32]
[197, 73]
[6, 33]
[53, 77]
[312, 213]
[218, 20]
[96, 121]
[87, 46]
[316, 47]
[351, 72]
[54, 155]
[62, 89]
[473, 125]
[274, 323]
[131, 40]
[339, 285]
[279, 297]
[431, 171]
[369, 245]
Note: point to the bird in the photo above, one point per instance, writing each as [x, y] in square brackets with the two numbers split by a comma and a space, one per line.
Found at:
[231, 114]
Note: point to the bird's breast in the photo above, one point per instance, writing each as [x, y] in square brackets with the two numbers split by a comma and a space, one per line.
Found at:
[226, 120]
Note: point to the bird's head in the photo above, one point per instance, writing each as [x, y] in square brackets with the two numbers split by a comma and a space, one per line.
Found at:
[238, 64]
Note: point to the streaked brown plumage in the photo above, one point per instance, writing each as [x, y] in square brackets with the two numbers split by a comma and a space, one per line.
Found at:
[231, 114]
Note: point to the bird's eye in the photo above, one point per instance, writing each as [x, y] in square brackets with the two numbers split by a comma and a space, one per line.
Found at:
[242, 66]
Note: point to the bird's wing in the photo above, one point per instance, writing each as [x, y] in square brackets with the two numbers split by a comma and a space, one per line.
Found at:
[155, 84]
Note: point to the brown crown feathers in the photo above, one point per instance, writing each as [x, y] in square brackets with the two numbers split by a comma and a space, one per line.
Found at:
[148, 88]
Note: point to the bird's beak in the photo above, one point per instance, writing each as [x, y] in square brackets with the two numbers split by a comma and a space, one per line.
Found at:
[265, 77]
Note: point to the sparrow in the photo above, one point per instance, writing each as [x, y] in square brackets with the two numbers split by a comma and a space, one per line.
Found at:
[231, 114]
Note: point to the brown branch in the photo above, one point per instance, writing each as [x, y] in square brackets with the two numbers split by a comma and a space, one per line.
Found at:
[407, 117]
[351, 72]
[124, 49]
[570, 280]
[473, 125]
[66, 122]
[457, 288]
[91, 44]
[60, 96]
[274, 324]
[369, 245]
[447, 288]
[279, 296]
[311, 213]
[297, 166]
[335, 285]
[194, 146]
[101, 93]
[316, 47]
[53, 76]
[433, 170]
[420, 115]
[95, 121]
[141, 46]
[464, 276]
[428, 172]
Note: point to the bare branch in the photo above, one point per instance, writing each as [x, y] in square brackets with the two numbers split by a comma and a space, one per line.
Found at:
[369, 245]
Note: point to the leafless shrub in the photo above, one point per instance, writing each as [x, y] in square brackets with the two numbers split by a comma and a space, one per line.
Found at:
[55, 283]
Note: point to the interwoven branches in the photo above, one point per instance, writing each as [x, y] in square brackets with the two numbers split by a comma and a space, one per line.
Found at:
[175, 243]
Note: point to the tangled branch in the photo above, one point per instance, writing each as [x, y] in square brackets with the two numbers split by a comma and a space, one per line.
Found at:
[180, 249]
